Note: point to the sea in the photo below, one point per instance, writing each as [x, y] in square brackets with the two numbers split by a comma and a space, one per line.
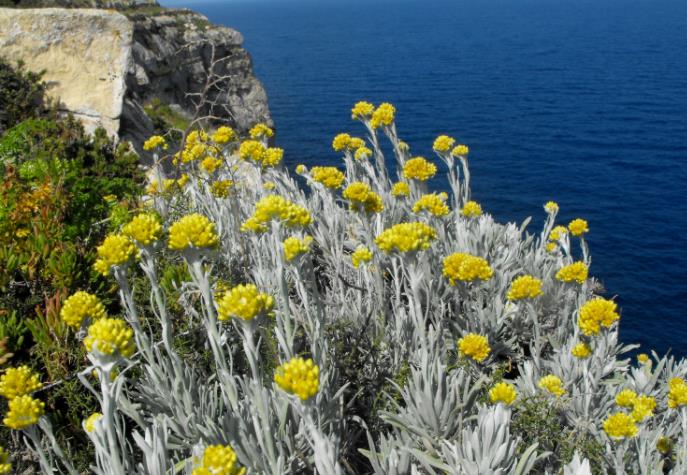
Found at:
[583, 102]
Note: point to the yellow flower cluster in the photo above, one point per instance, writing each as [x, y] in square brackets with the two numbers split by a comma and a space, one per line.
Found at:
[362, 110]
[19, 381]
[525, 287]
[472, 209]
[552, 384]
[110, 336]
[220, 188]
[244, 301]
[626, 398]
[24, 411]
[418, 168]
[384, 115]
[301, 169]
[193, 230]
[596, 313]
[219, 460]
[443, 143]
[406, 237]
[251, 150]
[362, 198]
[223, 135]
[272, 157]
[211, 164]
[503, 392]
[362, 153]
[298, 376]
[557, 233]
[5, 465]
[466, 267]
[643, 407]
[677, 393]
[475, 346]
[330, 177]
[581, 351]
[260, 131]
[144, 229]
[432, 203]
[154, 142]
[79, 306]
[341, 142]
[551, 207]
[276, 207]
[115, 250]
[620, 425]
[578, 227]
[642, 358]
[400, 188]
[576, 271]
[460, 150]
[294, 247]
[361, 255]
[89, 423]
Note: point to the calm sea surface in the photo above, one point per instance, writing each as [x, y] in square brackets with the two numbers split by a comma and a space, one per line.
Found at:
[583, 102]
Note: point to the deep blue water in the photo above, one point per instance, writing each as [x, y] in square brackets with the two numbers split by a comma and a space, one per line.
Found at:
[583, 102]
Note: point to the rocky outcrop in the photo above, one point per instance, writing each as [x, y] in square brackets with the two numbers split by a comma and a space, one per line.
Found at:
[86, 55]
[106, 66]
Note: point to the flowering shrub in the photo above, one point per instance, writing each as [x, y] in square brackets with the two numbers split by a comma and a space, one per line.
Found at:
[347, 329]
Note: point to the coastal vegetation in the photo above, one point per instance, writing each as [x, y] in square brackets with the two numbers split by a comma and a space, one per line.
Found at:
[234, 316]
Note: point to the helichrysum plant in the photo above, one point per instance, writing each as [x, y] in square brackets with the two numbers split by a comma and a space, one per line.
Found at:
[358, 324]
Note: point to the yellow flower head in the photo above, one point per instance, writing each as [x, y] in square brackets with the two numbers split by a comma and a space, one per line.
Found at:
[642, 358]
[525, 287]
[503, 392]
[244, 301]
[90, 422]
[220, 189]
[460, 150]
[196, 137]
[432, 203]
[19, 381]
[620, 425]
[330, 177]
[251, 150]
[466, 268]
[298, 376]
[24, 411]
[260, 131]
[294, 247]
[551, 207]
[341, 142]
[79, 306]
[597, 313]
[362, 110]
[362, 198]
[578, 227]
[272, 157]
[5, 465]
[474, 346]
[193, 230]
[144, 229]
[471, 209]
[443, 143]
[115, 250]
[274, 207]
[419, 168]
[626, 398]
[577, 271]
[360, 255]
[406, 237]
[154, 142]
[383, 115]
[219, 460]
[210, 164]
[400, 188]
[223, 135]
[581, 351]
[301, 169]
[643, 408]
[552, 384]
[551, 247]
[110, 336]
[664, 445]
[677, 393]
[557, 233]
[362, 153]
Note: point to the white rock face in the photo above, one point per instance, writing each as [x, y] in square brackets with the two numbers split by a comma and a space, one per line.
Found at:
[85, 53]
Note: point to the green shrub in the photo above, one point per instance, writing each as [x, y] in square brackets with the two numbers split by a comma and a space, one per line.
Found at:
[21, 94]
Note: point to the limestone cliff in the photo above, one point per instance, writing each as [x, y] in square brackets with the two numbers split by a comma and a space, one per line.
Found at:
[106, 66]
